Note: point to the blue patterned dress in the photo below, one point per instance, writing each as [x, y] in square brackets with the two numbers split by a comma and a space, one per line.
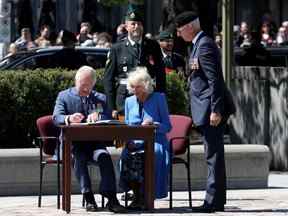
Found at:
[155, 107]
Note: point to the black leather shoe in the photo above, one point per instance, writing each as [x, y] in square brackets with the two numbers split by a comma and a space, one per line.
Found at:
[136, 206]
[130, 196]
[90, 207]
[207, 209]
[116, 207]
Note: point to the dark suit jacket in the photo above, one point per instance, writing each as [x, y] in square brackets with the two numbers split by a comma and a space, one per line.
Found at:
[206, 81]
[122, 58]
[69, 102]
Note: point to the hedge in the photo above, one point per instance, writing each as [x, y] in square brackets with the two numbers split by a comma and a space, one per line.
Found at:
[27, 95]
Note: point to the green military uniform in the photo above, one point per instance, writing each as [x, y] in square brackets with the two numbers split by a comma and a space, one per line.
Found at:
[174, 61]
[122, 58]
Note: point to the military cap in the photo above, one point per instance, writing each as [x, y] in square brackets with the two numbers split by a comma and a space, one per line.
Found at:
[134, 13]
[185, 18]
[164, 35]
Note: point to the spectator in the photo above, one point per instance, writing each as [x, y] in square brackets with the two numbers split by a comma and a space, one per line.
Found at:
[285, 25]
[256, 54]
[43, 39]
[281, 37]
[145, 107]
[218, 40]
[84, 34]
[244, 35]
[25, 41]
[121, 32]
[104, 40]
[266, 38]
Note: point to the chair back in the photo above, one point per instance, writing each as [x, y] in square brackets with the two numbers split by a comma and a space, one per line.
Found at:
[181, 127]
[47, 128]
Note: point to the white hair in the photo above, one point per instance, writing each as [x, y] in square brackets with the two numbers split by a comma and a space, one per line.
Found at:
[196, 24]
[140, 76]
[84, 71]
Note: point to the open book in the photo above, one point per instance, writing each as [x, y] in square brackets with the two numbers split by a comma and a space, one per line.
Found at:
[102, 122]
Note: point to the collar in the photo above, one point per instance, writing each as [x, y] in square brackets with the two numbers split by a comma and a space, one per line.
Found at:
[163, 53]
[133, 42]
[196, 37]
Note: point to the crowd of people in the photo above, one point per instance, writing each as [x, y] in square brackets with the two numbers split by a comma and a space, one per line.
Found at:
[270, 36]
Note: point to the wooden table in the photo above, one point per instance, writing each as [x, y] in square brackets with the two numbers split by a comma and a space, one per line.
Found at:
[105, 133]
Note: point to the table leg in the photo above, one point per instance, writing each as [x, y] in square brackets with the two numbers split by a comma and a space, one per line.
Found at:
[68, 175]
[63, 176]
[149, 179]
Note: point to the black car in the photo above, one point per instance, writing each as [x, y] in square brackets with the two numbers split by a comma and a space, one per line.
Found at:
[45, 58]
[271, 56]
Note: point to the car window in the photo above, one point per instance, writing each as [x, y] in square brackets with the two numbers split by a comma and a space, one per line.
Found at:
[35, 62]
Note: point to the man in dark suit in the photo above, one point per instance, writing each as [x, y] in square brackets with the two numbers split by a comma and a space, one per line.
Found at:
[82, 104]
[172, 60]
[207, 90]
[135, 50]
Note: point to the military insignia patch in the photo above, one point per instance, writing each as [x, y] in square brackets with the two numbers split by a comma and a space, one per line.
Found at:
[132, 15]
[193, 64]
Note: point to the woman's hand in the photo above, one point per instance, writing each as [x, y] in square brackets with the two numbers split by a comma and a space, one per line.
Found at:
[147, 121]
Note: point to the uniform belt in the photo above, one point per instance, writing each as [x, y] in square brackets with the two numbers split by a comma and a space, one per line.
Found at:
[123, 81]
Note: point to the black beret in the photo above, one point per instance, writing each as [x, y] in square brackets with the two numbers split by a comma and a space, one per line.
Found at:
[134, 13]
[164, 35]
[185, 18]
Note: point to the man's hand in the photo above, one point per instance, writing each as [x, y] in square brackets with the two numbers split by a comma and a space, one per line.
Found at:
[215, 119]
[93, 117]
[76, 118]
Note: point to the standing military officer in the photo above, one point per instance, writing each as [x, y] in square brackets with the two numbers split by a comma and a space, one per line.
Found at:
[172, 60]
[135, 50]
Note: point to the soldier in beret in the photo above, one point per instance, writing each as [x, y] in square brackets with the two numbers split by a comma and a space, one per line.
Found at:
[135, 50]
[172, 60]
[209, 105]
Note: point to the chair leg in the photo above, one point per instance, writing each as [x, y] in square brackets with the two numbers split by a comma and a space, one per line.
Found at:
[103, 201]
[83, 201]
[58, 185]
[41, 179]
[189, 177]
[126, 199]
[171, 183]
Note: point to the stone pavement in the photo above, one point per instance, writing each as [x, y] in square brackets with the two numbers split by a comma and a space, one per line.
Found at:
[250, 202]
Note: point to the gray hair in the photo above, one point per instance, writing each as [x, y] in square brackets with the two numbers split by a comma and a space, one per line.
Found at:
[196, 24]
[140, 75]
[84, 71]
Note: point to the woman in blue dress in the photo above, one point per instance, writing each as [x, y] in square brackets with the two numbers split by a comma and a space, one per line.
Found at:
[145, 107]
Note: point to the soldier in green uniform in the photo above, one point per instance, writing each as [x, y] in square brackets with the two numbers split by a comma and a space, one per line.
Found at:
[135, 50]
[172, 61]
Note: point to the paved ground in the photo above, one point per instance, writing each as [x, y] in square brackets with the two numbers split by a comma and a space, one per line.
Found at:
[257, 202]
